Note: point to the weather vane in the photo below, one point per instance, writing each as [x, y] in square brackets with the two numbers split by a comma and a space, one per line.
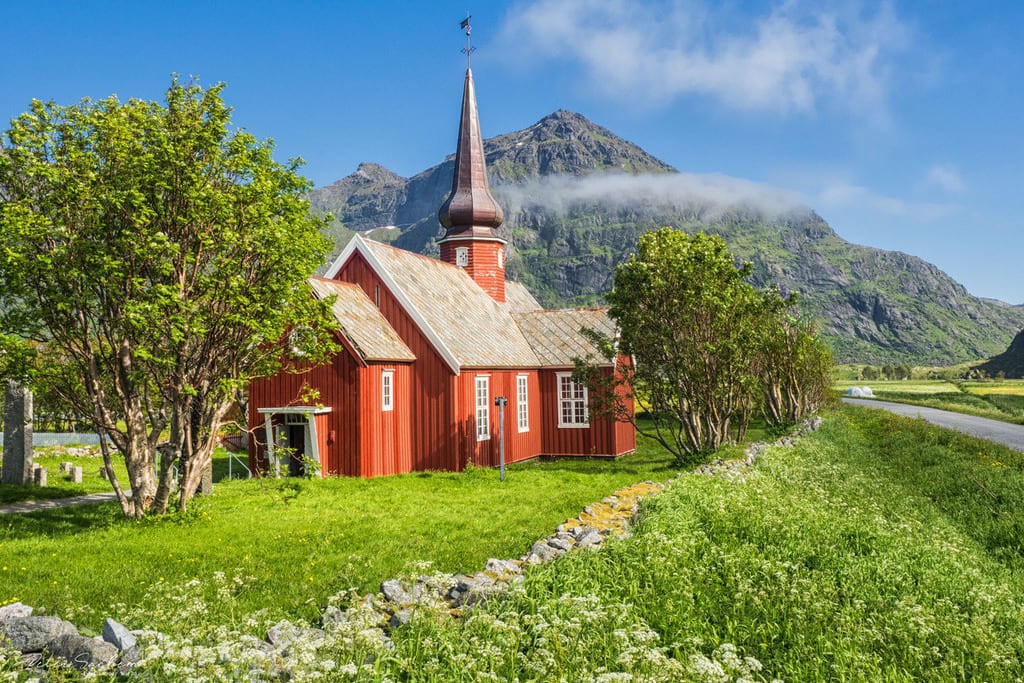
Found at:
[469, 49]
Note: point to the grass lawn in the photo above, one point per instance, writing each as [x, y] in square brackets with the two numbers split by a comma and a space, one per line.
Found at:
[302, 540]
[60, 485]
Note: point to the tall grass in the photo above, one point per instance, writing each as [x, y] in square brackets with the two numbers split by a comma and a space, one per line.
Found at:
[879, 549]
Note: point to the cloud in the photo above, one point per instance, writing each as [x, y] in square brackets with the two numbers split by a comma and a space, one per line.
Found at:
[791, 59]
[701, 196]
[843, 195]
[945, 177]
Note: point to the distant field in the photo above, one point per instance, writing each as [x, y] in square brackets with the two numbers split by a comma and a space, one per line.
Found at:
[913, 386]
[1009, 387]
[995, 399]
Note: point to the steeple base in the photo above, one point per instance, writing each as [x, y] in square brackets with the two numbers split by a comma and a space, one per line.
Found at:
[483, 259]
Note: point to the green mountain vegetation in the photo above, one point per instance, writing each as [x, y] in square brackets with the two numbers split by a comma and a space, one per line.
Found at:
[576, 198]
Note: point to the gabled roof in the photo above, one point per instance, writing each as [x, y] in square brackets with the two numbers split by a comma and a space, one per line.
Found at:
[464, 324]
[518, 298]
[362, 325]
[555, 335]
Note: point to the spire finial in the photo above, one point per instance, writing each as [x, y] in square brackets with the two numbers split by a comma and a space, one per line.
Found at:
[469, 49]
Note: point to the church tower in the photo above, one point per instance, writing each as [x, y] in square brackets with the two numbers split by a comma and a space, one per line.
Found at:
[470, 215]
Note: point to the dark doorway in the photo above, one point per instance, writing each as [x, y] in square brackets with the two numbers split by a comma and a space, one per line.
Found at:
[296, 450]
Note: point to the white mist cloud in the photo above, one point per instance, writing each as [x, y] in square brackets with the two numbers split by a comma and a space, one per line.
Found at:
[705, 196]
[844, 195]
[789, 60]
[945, 177]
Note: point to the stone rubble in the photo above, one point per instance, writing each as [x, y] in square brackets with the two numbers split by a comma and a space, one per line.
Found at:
[397, 600]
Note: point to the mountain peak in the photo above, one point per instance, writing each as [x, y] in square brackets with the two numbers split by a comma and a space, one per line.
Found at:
[368, 170]
[565, 143]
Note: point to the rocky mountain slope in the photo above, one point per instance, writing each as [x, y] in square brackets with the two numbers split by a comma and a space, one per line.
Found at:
[576, 197]
[1010, 362]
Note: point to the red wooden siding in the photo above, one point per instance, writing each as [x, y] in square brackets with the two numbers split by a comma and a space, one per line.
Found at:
[603, 437]
[430, 384]
[518, 446]
[386, 439]
[483, 264]
[338, 387]
[625, 433]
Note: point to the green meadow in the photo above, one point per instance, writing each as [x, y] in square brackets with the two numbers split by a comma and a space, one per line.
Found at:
[877, 549]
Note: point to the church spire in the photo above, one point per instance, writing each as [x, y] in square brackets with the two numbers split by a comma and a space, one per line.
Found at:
[470, 214]
[470, 209]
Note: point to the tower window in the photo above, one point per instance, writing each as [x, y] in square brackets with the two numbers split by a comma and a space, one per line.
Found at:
[501, 258]
[462, 256]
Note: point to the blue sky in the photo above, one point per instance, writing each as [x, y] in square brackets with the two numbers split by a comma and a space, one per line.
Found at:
[898, 122]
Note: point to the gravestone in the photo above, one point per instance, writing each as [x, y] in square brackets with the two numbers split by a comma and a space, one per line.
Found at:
[40, 476]
[17, 434]
[76, 475]
[206, 481]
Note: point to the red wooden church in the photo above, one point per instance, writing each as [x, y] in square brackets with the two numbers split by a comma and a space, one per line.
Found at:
[428, 346]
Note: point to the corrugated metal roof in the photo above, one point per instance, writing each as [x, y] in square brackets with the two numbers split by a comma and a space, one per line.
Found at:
[518, 298]
[362, 324]
[555, 335]
[477, 330]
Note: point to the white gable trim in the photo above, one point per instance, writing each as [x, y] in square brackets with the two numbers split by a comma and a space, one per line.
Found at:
[357, 244]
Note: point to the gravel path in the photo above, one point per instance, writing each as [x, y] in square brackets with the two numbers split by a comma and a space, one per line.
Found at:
[36, 505]
[992, 430]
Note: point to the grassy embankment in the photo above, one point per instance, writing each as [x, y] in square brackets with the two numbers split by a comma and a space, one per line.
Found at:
[995, 399]
[877, 549]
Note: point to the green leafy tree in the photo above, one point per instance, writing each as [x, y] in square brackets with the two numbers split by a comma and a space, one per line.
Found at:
[869, 373]
[796, 368]
[160, 259]
[688, 318]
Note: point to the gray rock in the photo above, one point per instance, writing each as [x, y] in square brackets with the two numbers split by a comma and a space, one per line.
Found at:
[15, 609]
[394, 590]
[560, 543]
[32, 634]
[400, 617]
[469, 590]
[544, 551]
[590, 539]
[581, 531]
[503, 567]
[81, 652]
[117, 635]
[284, 633]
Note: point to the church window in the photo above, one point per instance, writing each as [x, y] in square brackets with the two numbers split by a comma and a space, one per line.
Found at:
[572, 402]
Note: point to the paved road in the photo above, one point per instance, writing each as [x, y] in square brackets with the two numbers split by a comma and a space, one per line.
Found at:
[992, 430]
[36, 505]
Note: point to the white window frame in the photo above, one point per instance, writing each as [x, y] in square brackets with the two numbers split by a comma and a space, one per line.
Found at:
[483, 407]
[387, 390]
[575, 405]
[462, 256]
[501, 258]
[523, 402]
